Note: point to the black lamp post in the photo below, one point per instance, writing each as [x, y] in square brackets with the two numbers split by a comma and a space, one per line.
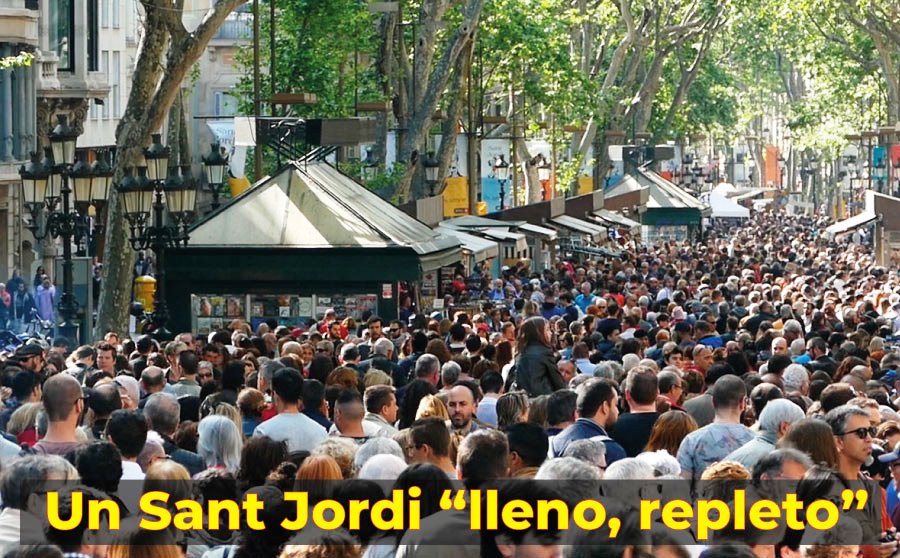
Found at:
[159, 206]
[501, 173]
[432, 166]
[696, 173]
[46, 191]
[369, 166]
[216, 164]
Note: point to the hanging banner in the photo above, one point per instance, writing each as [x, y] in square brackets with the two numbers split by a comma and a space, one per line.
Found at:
[456, 197]
[490, 186]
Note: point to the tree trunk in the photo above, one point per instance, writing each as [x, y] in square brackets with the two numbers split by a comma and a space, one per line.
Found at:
[154, 88]
[438, 77]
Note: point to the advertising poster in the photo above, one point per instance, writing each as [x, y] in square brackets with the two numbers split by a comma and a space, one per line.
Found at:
[490, 186]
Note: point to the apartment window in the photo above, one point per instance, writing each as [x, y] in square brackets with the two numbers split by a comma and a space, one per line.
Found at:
[93, 42]
[104, 14]
[224, 104]
[105, 58]
[61, 16]
[116, 21]
[115, 81]
[130, 17]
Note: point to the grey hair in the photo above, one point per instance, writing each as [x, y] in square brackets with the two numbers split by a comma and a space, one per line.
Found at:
[798, 346]
[589, 451]
[28, 475]
[382, 467]
[426, 365]
[450, 372]
[374, 447]
[219, 442]
[42, 423]
[629, 469]
[793, 326]
[795, 375]
[163, 411]
[608, 369]
[567, 468]
[778, 411]
[838, 417]
[383, 346]
[772, 463]
[662, 463]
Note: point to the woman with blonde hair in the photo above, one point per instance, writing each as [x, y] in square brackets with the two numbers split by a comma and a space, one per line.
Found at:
[130, 541]
[512, 407]
[23, 423]
[432, 406]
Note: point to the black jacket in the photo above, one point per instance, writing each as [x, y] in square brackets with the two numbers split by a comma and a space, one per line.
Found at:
[536, 371]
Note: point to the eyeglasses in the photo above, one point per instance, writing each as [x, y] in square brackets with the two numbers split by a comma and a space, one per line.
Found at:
[862, 433]
[395, 329]
[207, 375]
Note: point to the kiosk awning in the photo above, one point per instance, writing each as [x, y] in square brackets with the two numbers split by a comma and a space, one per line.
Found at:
[851, 224]
[616, 219]
[544, 232]
[504, 235]
[480, 248]
[595, 231]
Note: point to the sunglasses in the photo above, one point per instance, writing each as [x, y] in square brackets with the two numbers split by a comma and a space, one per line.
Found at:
[862, 433]
[207, 375]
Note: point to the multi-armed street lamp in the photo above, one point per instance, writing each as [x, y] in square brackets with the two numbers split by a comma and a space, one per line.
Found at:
[54, 203]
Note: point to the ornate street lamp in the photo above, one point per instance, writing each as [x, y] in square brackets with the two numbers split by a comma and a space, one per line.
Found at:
[432, 166]
[216, 164]
[544, 169]
[501, 173]
[159, 211]
[369, 166]
[47, 193]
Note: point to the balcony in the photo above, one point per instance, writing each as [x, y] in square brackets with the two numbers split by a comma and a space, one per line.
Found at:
[18, 23]
[237, 28]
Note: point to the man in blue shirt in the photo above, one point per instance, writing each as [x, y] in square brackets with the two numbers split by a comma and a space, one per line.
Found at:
[597, 410]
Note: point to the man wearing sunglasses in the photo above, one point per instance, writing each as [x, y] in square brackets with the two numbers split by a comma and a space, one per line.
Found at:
[853, 436]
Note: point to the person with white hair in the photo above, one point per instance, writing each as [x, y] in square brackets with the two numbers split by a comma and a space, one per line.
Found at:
[796, 379]
[798, 351]
[567, 469]
[219, 443]
[629, 468]
[629, 361]
[382, 467]
[774, 422]
[663, 463]
[374, 447]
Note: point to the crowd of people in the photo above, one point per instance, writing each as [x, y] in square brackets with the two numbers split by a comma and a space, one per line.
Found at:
[764, 353]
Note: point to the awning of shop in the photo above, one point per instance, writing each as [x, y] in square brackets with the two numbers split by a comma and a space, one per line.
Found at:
[507, 236]
[851, 224]
[584, 227]
[544, 232]
[614, 218]
[480, 248]
[747, 195]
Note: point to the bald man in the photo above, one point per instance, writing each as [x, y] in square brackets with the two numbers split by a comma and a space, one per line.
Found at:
[64, 402]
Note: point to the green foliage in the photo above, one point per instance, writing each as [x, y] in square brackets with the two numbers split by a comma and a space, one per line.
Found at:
[21, 59]
[326, 47]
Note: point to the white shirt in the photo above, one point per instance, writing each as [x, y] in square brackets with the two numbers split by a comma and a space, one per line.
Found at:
[131, 471]
[298, 430]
